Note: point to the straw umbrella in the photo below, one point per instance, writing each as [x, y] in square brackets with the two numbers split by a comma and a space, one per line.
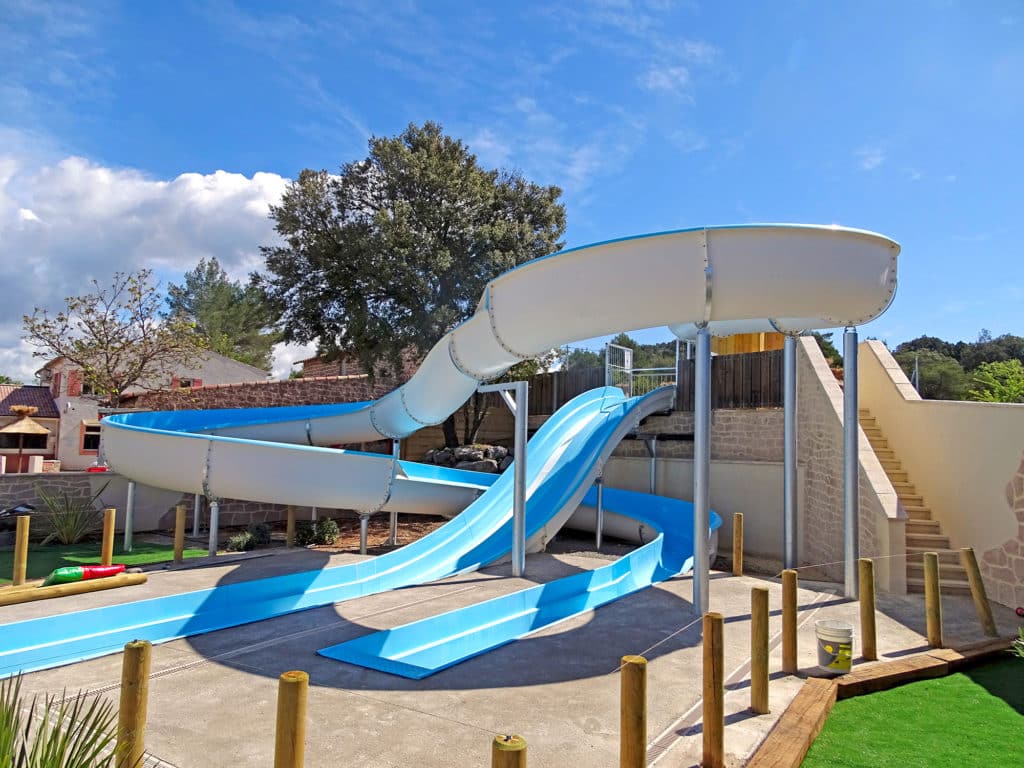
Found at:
[25, 425]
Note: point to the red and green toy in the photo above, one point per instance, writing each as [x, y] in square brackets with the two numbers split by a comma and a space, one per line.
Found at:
[73, 573]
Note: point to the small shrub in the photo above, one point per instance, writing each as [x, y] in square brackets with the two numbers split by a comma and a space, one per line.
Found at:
[240, 542]
[69, 519]
[305, 533]
[260, 535]
[1018, 645]
[326, 531]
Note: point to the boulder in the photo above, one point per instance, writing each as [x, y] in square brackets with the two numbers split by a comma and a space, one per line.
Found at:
[505, 463]
[484, 465]
[469, 453]
[496, 452]
[444, 458]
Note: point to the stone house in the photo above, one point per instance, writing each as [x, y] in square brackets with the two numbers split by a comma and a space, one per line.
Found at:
[78, 410]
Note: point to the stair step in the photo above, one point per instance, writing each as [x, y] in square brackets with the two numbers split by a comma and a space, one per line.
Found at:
[873, 432]
[886, 454]
[947, 557]
[868, 422]
[929, 541]
[918, 513]
[878, 444]
[897, 475]
[947, 571]
[904, 487]
[945, 587]
[864, 411]
[910, 499]
[923, 526]
[890, 465]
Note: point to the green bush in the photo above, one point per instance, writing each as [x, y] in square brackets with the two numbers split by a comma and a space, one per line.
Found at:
[256, 536]
[326, 531]
[65, 731]
[1018, 645]
[69, 519]
[305, 533]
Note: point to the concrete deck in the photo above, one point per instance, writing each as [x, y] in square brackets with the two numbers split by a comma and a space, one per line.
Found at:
[213, 697]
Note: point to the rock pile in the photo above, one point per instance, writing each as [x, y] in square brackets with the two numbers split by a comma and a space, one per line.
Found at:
[477, 458]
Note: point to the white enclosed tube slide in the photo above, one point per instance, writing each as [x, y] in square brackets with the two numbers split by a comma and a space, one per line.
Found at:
[789, 277]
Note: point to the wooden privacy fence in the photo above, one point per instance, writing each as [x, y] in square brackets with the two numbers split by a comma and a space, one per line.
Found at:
[752, 380]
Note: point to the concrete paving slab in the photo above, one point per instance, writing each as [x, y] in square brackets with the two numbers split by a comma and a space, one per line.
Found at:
[213, 697]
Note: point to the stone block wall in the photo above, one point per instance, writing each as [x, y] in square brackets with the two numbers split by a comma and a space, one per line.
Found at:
[736, 434]
[266, 394]
[1003, 567]
[18, 488]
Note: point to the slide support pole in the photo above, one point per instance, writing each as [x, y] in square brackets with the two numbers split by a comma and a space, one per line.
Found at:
[396, 449]
[789, 478]
[701, 470]
[129, 516]
[599, 520]
[851, 477]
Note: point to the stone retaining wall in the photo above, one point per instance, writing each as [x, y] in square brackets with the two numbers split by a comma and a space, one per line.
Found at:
[736, 434]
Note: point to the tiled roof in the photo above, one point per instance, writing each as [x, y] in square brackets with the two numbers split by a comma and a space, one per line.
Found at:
[28, 395]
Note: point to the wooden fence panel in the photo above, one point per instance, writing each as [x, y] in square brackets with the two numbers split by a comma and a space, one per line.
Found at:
[752, 380]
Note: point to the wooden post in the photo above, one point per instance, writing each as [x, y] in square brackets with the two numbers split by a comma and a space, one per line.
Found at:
[932, 600]
[289, 536]
[737, 544]
[20, 550]
[179, 533]
[633, 713]
[290, 741]
[970, 564]
[759, 650]
[714, 691]
[131, 715]
[107, 550]
[508, 752]
[789, 580]
[868, 638]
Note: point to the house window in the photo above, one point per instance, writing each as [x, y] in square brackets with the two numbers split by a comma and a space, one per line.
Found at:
[31, 442]
[87, 388]
[90, 437]
[184, 383]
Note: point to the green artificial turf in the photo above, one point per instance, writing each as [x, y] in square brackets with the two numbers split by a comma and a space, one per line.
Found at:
[42, 560]
[973, 718]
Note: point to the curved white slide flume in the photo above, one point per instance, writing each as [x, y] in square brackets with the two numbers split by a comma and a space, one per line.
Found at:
[796, 276]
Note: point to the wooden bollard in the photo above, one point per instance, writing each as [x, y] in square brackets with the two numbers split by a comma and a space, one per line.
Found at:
[759, 650]
[508, 752]
[970, 564]
[868, 637]
[107, 549]
[131, 715]
[20, 550]
[179, 533]
[932, 600]
[633, 713]
[789, 580]
[737, 544]
[714, 691]
[289, 535]
[290, 742]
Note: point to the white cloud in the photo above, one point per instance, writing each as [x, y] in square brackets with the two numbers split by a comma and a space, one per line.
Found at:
[65, 223]
[688, 141]
[673, 79]
[286, 355]
[870, 157]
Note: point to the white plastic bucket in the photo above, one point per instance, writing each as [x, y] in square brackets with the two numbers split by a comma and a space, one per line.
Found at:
[835, 646]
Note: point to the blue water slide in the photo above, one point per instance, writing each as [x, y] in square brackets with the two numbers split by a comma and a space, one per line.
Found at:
[562, 460]
[424, 647]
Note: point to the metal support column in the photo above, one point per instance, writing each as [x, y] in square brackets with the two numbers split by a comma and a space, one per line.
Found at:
[129, 517]
[701, 470]
[214, 526]
[364, 523]
[520, 407]
[197, 514]
[651, 441]
[396, 448]
[599, 517]
[790, 533]
[851, 475]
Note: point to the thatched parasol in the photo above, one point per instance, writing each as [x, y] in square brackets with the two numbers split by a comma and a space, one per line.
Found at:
[25, 425]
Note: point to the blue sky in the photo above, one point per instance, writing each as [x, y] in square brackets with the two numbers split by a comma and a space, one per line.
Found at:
[152, 134]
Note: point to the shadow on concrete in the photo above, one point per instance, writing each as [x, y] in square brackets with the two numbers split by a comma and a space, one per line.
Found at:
[273, 646]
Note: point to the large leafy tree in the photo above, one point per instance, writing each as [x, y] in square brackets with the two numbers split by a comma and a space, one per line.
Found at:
[234, 318]
[117, 336]
[998, 382]
[941, 377]
[395, 250]
[992, 350]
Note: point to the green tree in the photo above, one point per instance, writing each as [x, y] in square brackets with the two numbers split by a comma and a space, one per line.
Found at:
[234, 318]
[116, 336]
[998, 382]
[578, 358]
[992, 350]
[394, 251]
[933, 343]
[941, 377]
[828, 349]
[9, 380]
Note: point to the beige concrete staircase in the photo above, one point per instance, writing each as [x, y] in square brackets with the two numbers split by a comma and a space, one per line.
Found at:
[923, 533]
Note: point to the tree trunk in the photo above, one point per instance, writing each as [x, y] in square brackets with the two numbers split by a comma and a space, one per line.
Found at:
[451, 438]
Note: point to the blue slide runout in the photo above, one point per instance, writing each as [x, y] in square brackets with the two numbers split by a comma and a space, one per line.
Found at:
[561, 462]
[421, 648]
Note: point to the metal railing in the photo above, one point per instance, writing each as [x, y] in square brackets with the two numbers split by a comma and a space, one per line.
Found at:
[640, 381]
